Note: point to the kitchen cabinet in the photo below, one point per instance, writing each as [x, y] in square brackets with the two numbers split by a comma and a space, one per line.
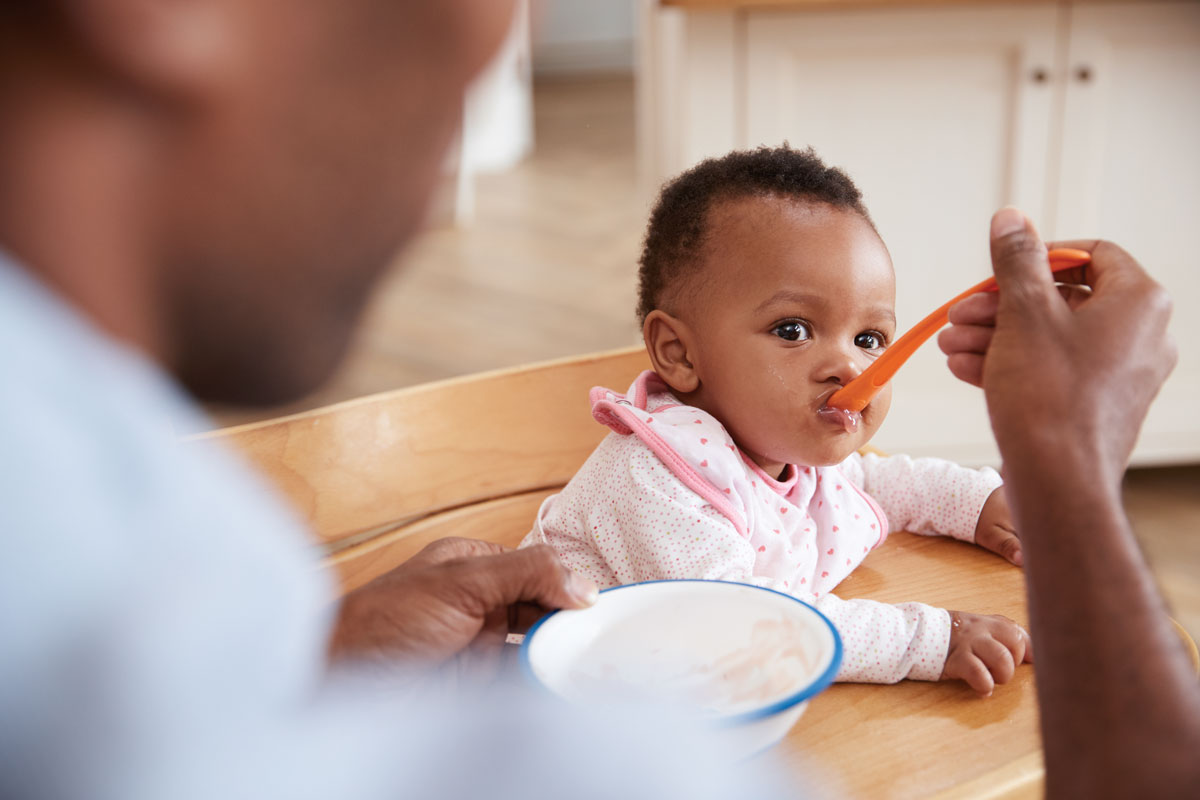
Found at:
[1087, 116]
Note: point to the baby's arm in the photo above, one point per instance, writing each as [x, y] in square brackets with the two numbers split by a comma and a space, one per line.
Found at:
[925, 495]
[887, 643]
[627, 518]
[931, 495]
[658, 532]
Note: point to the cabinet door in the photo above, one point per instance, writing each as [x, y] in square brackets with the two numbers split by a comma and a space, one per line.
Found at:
[1131, 173]
[941, 116]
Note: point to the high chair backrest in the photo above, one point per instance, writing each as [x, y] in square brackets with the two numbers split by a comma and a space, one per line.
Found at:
[381, 476]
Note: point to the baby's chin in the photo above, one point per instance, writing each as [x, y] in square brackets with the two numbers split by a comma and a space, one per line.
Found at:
[830, 454]
[813, 448]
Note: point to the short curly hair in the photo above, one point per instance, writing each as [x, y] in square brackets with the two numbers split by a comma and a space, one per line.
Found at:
[678, 226]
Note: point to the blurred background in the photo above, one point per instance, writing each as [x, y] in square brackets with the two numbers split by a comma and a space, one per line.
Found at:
[1084, 114]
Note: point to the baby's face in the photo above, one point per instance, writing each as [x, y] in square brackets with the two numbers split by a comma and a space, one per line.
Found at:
[793, 301]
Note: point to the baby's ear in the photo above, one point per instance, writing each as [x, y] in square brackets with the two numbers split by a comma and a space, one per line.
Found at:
[668, 341]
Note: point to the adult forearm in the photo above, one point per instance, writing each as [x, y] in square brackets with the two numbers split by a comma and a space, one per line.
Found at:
[1120, 704]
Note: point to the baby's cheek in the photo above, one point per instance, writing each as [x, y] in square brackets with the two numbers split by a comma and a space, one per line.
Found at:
[875, 413]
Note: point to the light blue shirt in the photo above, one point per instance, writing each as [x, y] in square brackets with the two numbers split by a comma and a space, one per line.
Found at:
[163, 623]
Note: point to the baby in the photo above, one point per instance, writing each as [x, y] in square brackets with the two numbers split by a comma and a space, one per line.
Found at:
[764, 289]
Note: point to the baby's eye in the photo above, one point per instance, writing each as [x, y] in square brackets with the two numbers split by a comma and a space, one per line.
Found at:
[793, 331]
[870, 340]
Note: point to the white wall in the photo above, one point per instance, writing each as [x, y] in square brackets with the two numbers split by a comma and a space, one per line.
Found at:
[498, 115]
[578, 36]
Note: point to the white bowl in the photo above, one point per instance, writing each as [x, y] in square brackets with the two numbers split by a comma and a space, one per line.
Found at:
[741, 659]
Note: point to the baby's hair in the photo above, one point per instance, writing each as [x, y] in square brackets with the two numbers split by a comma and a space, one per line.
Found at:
[678, 224]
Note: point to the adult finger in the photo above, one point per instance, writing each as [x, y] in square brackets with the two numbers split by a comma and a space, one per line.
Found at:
[1020, 264]
[521, 616]
[967, 367]
[977, 309]
[966, 339]
[1076, 294]
[532, 575]
[1112, 268]
[454, 547]
[1081, 275]
[494, 632]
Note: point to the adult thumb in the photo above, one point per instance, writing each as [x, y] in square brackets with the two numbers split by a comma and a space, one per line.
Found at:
[1019, 260]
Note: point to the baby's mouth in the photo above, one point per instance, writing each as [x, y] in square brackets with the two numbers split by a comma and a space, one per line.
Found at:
[844, 418]
[841, 416]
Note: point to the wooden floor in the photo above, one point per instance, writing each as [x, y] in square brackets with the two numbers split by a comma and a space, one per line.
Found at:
[548, 269]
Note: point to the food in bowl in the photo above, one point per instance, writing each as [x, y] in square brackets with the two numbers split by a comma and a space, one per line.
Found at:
[744, 658]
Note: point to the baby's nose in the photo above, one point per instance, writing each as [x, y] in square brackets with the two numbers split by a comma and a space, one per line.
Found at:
[842, 368]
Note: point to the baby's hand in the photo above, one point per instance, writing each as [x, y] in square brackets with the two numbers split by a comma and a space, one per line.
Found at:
[985, 649]
[995, 530]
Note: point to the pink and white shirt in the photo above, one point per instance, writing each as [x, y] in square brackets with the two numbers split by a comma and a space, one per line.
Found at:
[668, 494]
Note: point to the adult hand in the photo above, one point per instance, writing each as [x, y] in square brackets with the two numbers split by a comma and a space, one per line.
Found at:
[455, 596]
[1062, 377]
[1068, 383]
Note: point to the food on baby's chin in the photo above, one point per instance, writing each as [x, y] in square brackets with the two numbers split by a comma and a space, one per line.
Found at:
[767, 669]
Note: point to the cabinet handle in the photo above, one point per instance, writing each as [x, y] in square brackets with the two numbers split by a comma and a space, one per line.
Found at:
[1083, 73]
[1040, 75]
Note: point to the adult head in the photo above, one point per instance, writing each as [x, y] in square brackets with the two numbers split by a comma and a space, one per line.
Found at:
[219, 182]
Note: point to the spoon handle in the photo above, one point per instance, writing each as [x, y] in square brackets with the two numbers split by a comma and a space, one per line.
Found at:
[856, 394]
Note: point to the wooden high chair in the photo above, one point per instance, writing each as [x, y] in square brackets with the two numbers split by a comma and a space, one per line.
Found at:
[381, 476]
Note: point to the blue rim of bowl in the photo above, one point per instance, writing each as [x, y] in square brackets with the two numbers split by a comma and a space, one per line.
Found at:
[814, 687]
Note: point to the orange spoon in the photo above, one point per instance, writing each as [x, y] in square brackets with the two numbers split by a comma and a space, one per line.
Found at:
[855, 395]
